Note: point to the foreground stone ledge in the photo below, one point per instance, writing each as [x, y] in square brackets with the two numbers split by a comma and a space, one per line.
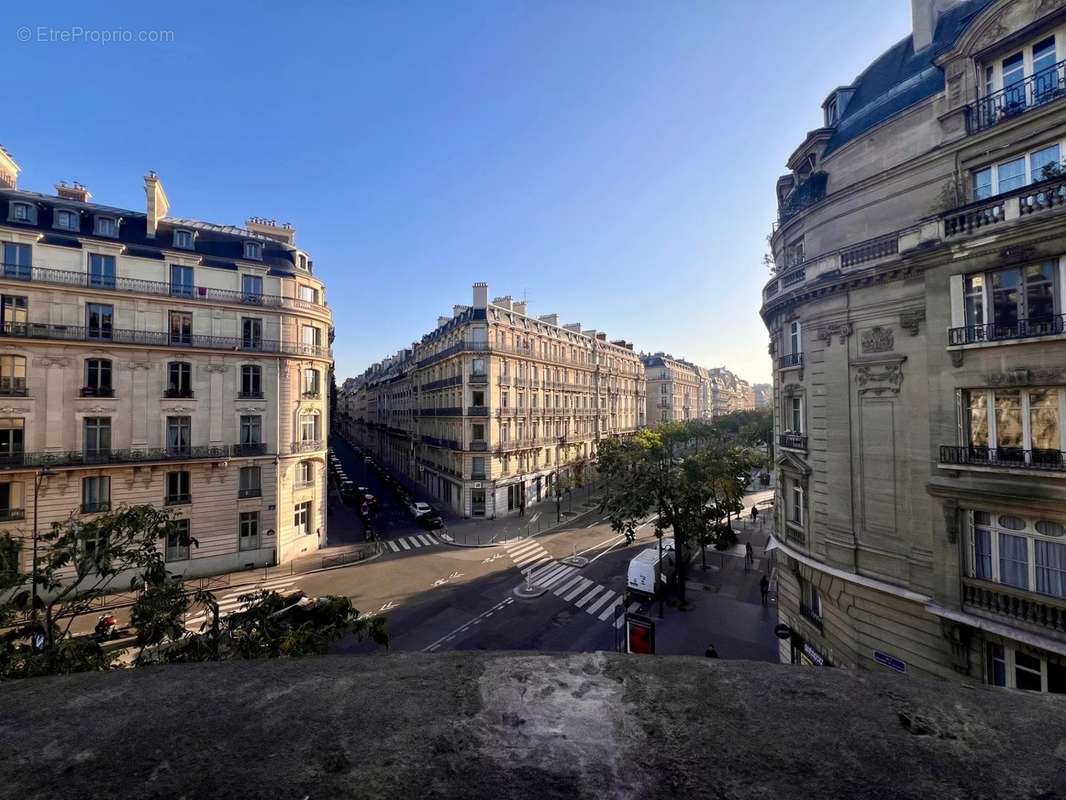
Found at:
[493, 725]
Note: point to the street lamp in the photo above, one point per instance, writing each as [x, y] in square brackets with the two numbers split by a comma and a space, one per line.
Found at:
[38, 479]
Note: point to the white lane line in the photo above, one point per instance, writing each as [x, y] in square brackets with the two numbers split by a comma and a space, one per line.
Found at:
[566, 585]
[594, 524]
[595, 591]
[609, 549]
[404, 544]
[537, 556]
[425, 540]
[585, 583]
[478, 618]
[601, 544]
[609, 611]
[548, 573]
[537, 564]
[622, 619]
[534, 518]
[414, 541]
[525, 548]
[603, 599]
[395, 549]
[559, 576]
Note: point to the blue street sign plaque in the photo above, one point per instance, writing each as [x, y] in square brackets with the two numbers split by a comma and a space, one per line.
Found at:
[890, 661]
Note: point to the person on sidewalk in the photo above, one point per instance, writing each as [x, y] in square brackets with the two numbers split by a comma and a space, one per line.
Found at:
[710, 652]
[764, 588]
[754, 514]
[749, 556]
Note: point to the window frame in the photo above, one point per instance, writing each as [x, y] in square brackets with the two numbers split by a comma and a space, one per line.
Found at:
[186, 232]
[101, 224]
[182, 478]
[247, 541]
[74, 216]
[244, 491]
[253, 251]
[178, 545]
[95, 494]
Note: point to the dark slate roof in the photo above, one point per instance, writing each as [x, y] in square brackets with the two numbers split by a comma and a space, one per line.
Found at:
[899, 78]
[219, 246]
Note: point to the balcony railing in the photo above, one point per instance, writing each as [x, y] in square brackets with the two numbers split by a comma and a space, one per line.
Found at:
[479, 445]
[443, 383]
[792, 441]
[870, 250]
[1036, 90]
[250, 395]
[58, 277]
[13, 387]
[244, 494]
[475, 347]
[1050, 325]
[1017, 605]
[477, 411]
[79, 333]
[12, 514]
[96, 391]
[130, 455]
[790, 360]
[435, 441]
[811, 616]
[975, 216]
[1005, 457]
[478, 378]
[308, 446]
[803, 196]
[173, 394]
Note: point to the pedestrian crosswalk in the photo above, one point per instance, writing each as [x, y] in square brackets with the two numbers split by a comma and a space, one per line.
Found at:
[527, 554]
[565, 581]
[230, 601]
[401, 543]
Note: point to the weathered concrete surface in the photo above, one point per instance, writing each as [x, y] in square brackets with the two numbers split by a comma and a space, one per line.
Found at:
[494, 725]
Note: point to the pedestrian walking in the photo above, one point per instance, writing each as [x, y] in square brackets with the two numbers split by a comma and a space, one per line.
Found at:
[754, 514]
[764, 588]
[749, 556]
[710, 652]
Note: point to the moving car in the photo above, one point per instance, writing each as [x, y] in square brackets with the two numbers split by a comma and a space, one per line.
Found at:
[419, 508]
[430, 522]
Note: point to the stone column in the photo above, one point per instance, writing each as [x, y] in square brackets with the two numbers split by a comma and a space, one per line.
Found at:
[216, 374]
[138, 407]
[53, 416]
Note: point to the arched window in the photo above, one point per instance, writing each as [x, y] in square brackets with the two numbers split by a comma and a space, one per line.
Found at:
[179, 379]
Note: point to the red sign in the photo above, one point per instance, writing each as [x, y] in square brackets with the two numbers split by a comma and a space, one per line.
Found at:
[640, 634]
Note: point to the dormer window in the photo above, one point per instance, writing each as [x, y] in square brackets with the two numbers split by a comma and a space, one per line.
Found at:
[22, 212]
[831, 113]
[66, 220]
[253, 251]
[184, 240]
[106, 226]
[301, 261]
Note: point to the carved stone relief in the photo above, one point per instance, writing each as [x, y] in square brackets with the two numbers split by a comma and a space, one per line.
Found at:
[879, 378]
[841, 329]
[910, 320]
[878, 340]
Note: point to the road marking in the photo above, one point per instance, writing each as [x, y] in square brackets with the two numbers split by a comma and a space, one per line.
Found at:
[525, 551]
[618, 623]
[603, 599]
[584, 584]
[547, 575]
[483, 615]
[566, 584]
[560, 575]
[541, 574]
[525, 559]
[609, 549]
[425, 540]
[534, 518]
[388, 606]
[595, 591]
[395, 549]
[404, 544]
[594, 523]
[609, 611]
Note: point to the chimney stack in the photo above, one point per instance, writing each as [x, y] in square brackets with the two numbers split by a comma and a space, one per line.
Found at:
[458, 309]
[551, 319]
[9, 169]
[284, 233]
[158, 205]
[481, 294]
[503, 302]
[924, 16]
[519, 307]
[442, 321]
[73, 192]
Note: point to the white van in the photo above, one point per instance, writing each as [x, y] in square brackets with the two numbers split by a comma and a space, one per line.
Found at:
[647, 575]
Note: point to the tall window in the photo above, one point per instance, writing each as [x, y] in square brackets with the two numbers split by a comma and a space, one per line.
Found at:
[251, 289]
[101, 271]
[795, 341]
[1022, 425]
[1013, 668]
[312, 338]
[250, 482]
[309, 428]
[251, 429]
[180, 327]
[1027, 554]
[305, 473]
[95, 494]
[477, 467]
[97, 435]
[178, 487]
[309, 294]
[251, 333]
[1045, 76]
[10, 505]
[178, 541]
[179, 435]
[17, 260]
[249, 530]
[251, 381]
[1013, 302]
[99, 320]
[97, 378]
[311, 387]
[795, 408]
[14, 314]
[179, 379]
[181, 284]
[795, 509]
[11, 436]
[12, 375]
[302, 518]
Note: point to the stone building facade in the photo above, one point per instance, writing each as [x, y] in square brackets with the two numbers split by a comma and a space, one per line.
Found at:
[916, 318]
[496, 408]
[763, 393]
[150, 359]
[673, 388]
[728, 393]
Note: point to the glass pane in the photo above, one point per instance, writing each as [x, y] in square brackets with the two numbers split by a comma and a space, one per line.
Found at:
[1012, 174]
[1040, 297]
[1006, 301]
[1013, 561]
[1051, 568]
[1056, 678]
[1049, 528]
[978, 404]
[982, 546]
[1027, 672]
[1008, 419]
[1044, 423]
[1047, 158]
[982, 184]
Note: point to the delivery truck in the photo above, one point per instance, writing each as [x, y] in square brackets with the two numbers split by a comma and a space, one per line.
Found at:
[648, 573]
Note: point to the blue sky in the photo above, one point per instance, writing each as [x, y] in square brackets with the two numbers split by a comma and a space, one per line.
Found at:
[612, 162]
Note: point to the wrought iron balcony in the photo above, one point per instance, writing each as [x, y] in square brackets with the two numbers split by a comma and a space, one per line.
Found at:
[477, 411]
[434, 441]
[96, 508]
[79, 333]
[478, 378]
[1051, 325]
[309, 446]
[12, 514]
[443, 383]
[790, 360]
[174, 394]
[244, 494]
[478, 445]
[96, 391]
[130, 455]
[13, 387]
[811, 616]
[250, 395]
[803, 197]
[1042, 613]
[58, 277]
[1036, 90]
[1005, 457]
[792, 441]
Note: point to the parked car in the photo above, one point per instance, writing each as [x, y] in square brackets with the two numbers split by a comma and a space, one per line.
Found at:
[430, 522]
[419, 508]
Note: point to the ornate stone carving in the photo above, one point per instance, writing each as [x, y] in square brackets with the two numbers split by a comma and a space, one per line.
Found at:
[841, 329]
[910, 320]
[878, 340]
[1048, 5]
[951, 520]
[1021, 376]
[995, 31]
[15, 410]
[956, 358]
[879, 378]
[1017, 253]
[135, 365]
[52, 361]
[179, 409]
[216, 367]
[250, 409]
